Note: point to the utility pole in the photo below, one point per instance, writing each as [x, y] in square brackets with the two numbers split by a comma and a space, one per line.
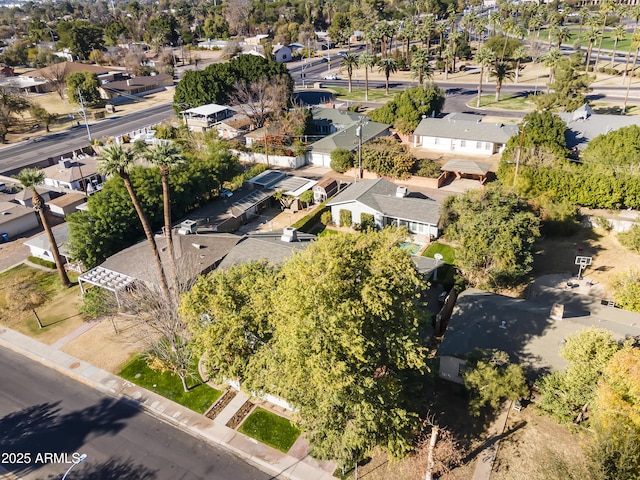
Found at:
[328, 54]
[361, 124]
[83, 112]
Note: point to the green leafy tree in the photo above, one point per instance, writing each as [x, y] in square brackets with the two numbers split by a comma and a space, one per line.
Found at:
[565, 394]
[342, 160]
[626, 287]
[347, 345]
[81, 37]
[386, 156]
[490, 378]
[618, 147]
[228, 314]
[495, 233]
[115, 160]
[41, 115]
[85, 84]
[569, 87]
[32, 178]
[631, 238]
[12, 104]
[407, 108]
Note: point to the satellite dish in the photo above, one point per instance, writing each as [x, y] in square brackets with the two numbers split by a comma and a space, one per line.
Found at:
[438, 257]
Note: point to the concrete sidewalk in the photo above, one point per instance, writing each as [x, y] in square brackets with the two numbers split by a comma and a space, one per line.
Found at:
[487, 455]
[267, 459]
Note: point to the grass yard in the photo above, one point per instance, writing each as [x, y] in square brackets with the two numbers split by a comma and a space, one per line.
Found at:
[24, 289]
[199, 398]
[272, 429]
[328, 232]
[447, 252]
[507, 102]
[357, 94]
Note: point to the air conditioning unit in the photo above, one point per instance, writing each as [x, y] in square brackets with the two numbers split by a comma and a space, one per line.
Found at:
[188, 227]
[289, 234]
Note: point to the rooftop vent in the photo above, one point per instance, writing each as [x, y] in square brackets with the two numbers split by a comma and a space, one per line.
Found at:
[65, 162]
[188, 227]
[289, 234]
[402, 192]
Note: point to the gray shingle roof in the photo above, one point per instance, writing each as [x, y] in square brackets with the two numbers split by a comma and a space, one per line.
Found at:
[60, 233]
[346, 138]
[523, 329]
[335, 116]
[466, 127]
[583, 125]
[380, 195]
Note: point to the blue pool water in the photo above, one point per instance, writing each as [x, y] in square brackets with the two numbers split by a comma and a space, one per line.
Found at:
[411, 248]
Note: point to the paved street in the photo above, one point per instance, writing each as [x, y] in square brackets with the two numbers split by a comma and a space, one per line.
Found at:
[43, 412]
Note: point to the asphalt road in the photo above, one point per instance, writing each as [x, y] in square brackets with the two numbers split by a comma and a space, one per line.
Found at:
[20, 155]
[43, 412]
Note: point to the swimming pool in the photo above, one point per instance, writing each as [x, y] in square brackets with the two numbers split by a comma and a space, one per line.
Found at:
[411, 248]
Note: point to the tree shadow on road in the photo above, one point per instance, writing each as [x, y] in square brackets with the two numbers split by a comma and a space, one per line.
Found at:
[112, 469]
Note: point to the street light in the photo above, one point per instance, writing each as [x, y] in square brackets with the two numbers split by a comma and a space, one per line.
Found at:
[437, 257]
[82, 458]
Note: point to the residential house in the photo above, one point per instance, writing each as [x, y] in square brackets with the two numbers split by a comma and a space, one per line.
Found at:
[135, 86]
[583, 125]
[325, 121]
[524, 329]
[463, 133]
[203, 118]
[389, 204]
[17, 219]
[40, 247]
[320, 152]
[25, 196]
[65, 204]
[78, 173]
[281, 53]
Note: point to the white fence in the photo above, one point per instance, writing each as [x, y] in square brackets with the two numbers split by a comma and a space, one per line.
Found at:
[273, 160]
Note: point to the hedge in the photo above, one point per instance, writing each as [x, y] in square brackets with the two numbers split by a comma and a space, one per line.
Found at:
[41, 262]
[306, 223]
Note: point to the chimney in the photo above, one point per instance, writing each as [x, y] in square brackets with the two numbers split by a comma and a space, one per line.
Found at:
[402, 192]
[289, 234]
[128, 82]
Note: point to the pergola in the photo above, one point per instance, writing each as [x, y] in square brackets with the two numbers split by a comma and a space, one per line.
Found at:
[107, 279]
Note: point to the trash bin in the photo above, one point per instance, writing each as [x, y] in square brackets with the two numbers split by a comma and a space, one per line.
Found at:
[4, 237]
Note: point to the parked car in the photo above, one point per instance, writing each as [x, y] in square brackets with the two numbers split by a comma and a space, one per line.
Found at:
[331, 77]
[225, 193]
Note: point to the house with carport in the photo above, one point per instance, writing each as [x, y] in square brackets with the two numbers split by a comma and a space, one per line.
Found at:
[463, 133]
[388, 204]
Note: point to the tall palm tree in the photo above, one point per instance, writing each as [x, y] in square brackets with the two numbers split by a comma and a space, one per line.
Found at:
[501, 71]
[387, 66]
[349, 62]
[618, 33]
[559, 33]
[425, 31]
[454, 39]
[447, 55]
[606, 7]
[115, 160]
[406, 34]
[166, 156]
[366, 60]
[420, 65]
[592, 35]
[484, 57]
[635, 14]
[31, 178]
[518, 55]
[635, 43]
[551, 60]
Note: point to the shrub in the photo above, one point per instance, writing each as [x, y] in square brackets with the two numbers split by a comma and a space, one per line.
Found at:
[41, 262]
[306, 223]
[631, 238]
[342, 160]
[559, 219]
[326, 218]
[345, 218]
[367, 222]
[601, 222]
[425, 167]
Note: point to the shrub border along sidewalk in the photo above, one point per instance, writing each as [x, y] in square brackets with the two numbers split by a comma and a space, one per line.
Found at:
[306, 223]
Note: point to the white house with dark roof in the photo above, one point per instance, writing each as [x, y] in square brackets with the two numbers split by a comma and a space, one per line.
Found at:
[79, 173]
[463, 133]
[204, 117]
[390, 205]
[40, 247]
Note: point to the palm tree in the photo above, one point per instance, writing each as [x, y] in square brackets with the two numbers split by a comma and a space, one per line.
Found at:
[166, 156]
[387, 66]
[507, 29]
[551, 60]
[366, 60]
[635, 43]
[420, 65]
[501, 71]
[635, 13]
[447, 55]
[31, 178]
[619, 33]
[606, 7]
[592, 36]
[484, 57]
[426, 30]
[349, 62]
[115, 160]
[518, 55]
[454, 38]
[559, 33]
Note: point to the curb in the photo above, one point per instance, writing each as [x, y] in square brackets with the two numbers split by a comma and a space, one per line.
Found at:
[287, 466]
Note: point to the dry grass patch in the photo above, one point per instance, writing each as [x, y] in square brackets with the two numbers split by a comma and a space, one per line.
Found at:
[100, 346]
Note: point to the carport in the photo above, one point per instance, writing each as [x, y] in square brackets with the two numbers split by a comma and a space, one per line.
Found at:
[468, 169]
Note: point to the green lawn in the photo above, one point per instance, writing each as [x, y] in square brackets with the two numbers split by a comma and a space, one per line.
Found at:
[199, 398]
[357, 94]
[506, 102]
[269, 428]
[328, 231]
[447, 252]
[607, 41]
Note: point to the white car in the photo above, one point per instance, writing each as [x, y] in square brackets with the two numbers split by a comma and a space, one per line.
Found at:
[331, 77]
